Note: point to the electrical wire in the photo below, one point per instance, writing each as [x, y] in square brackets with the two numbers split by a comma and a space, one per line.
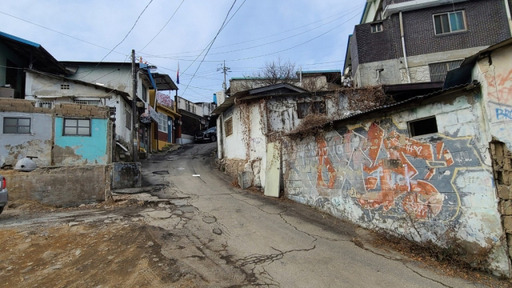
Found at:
[165, 25]
[224, 23]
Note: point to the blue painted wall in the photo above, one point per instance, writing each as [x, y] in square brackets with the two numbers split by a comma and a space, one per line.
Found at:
[87, 149]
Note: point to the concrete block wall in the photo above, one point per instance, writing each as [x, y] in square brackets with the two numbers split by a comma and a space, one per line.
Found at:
[437, 188]
[60, 186]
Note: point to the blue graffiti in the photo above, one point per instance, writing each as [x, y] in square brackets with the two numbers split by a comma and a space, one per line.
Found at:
[503, 113]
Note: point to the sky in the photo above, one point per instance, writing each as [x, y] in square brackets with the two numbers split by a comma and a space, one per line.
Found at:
[198, 36]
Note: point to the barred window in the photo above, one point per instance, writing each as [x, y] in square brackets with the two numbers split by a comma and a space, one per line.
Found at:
[438, 70]
[16, 125]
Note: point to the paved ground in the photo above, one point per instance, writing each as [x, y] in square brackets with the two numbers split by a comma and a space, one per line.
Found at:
[192, 228]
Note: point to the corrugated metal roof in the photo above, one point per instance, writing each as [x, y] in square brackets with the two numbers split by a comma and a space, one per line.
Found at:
[33, 54]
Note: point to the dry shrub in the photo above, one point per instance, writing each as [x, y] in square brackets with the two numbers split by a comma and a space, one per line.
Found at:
[364, 99]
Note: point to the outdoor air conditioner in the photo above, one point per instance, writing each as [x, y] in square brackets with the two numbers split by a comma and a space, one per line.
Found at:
[6, 92]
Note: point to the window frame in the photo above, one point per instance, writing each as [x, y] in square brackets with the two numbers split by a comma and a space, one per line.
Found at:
[377, 27]
[450, 24]
[413, 126]
[77, 127]
[17, 126]
[228, 126]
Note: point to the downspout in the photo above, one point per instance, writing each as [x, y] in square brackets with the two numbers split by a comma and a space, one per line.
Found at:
[509, 17]
[403, 46]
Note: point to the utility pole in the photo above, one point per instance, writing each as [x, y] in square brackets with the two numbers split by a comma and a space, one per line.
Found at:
[135, 125]
[224, 70]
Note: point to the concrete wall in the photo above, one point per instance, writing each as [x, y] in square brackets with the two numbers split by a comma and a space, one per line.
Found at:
[46, 140]
[495, 73]
[79, 150]
[43, 88]
[437, 188]
[126, 175]
[60, 186]
[38, 143]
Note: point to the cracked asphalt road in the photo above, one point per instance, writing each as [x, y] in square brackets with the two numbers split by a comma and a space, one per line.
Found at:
[189, 227]
[243, 238]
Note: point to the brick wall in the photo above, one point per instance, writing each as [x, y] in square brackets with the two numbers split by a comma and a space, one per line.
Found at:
[486, 23]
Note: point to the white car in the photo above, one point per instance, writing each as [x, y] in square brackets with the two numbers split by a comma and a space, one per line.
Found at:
[3, 193]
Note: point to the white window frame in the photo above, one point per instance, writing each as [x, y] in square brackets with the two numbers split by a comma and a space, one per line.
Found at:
[79, 127]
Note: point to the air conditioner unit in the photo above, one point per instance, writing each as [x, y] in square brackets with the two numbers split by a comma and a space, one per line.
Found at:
[6, 92]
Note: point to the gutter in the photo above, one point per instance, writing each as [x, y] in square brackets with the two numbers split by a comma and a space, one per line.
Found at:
[402, 35]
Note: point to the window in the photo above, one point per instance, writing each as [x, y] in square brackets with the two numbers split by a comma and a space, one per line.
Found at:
[88, 102]
[14, 125]
[162, 122]
[378, 27]
[423, 126]
[45, 104]
[228, 126]
[438, 70]
[128, 119]
[64, 86]
[306, 108]
[77, 127]
[449, 22]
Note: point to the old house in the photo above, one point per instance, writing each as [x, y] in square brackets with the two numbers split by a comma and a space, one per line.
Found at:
[164, 130]
[251, 122]
[411, 41]
[118, 76]
[435, 169]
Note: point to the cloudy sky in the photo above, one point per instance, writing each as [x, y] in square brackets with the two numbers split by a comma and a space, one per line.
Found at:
[198, 34]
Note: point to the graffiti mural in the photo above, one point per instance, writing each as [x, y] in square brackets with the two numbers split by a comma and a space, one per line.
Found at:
[384, 170]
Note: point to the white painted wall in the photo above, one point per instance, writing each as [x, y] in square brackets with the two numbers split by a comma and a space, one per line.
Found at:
[495, 76]
[42, 88]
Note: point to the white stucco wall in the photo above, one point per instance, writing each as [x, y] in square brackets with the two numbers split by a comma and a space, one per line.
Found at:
[495, 76]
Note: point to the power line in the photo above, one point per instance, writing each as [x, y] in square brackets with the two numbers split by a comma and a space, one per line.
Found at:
[224, 23]
[131, 29]
[165, 25]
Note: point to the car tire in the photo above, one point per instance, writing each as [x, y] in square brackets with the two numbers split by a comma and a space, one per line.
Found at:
[1, 209]
[214, 138]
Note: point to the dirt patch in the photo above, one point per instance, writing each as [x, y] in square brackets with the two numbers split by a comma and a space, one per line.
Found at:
[91, 255]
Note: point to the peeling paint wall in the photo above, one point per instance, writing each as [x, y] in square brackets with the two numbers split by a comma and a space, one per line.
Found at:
[76, 150]
[46, 140]
[434, 188]
[495, 74]
[37, 143]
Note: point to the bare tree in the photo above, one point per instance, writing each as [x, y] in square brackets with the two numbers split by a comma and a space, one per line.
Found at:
[278, 72]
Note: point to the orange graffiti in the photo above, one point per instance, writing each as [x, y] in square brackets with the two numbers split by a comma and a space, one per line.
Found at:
[323, 160]
[499, 86]
[393, 175]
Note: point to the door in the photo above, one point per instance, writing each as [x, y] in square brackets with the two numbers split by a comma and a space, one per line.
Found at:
[169, 129]
[273, 170]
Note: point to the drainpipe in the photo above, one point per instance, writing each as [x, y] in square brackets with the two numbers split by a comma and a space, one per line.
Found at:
[509, 17]
[403, 47]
